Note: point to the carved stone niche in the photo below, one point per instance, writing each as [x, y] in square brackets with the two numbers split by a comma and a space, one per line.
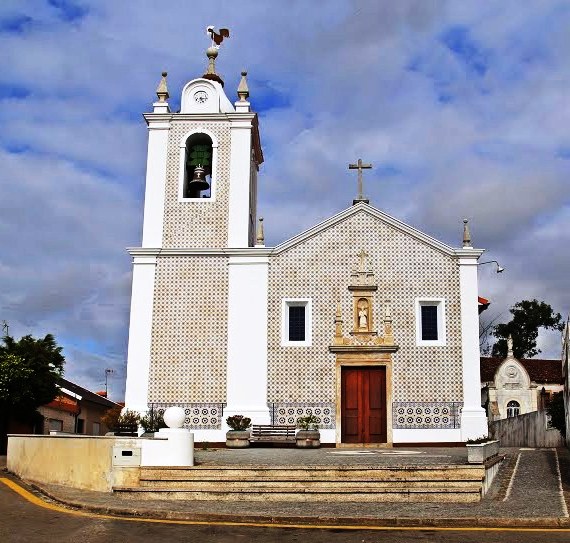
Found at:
[363, 336]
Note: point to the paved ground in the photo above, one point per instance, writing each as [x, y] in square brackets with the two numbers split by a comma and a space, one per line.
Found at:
[268, 456]
[27, 522]
[527, 491]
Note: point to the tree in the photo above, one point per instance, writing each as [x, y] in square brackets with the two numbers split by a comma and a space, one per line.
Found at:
[528, 317]
[556, 411]
[30, 370]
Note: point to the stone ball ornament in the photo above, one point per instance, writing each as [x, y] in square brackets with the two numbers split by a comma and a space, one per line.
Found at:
[174, 417]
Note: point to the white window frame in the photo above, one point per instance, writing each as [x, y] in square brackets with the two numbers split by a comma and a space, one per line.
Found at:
[285, 305]
[182, 164]
[441, 333]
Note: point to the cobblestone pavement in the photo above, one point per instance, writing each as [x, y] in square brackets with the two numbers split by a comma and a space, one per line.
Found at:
[527, 490]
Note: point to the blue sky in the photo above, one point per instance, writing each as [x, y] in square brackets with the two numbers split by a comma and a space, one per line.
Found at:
[462, 107]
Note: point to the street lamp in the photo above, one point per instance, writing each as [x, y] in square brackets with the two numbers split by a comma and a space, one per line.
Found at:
[499, 268]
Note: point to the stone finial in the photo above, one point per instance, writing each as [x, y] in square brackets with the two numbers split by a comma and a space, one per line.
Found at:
[466, 234]
[243, 90]
[260, 239]
[162, 89]
[212, 53]
[510, 347]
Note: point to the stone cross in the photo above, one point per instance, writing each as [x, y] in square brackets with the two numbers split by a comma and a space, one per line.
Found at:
[360, 166]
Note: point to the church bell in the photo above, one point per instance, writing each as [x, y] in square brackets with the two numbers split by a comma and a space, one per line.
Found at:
[198, 182]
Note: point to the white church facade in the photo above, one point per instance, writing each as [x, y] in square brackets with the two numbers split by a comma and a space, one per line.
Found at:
[362, 320]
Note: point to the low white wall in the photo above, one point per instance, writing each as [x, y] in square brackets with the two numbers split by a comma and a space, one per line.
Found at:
[420, 435]
[528, 430]
[76, 461]
[93, 462]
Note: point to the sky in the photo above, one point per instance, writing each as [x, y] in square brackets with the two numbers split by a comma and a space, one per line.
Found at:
[461, 106]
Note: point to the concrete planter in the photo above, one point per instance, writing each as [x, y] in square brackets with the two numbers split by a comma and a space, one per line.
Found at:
[237, 439]
[308, 439]
[479, 453]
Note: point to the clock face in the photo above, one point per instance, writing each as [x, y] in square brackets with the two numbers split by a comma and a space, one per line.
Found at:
[200, 97]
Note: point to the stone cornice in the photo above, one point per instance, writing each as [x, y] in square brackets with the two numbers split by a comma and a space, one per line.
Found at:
[245, 251]
[204, 117]
[363, 348]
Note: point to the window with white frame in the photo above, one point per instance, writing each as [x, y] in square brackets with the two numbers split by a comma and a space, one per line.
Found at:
[296, 322]
[430, 321]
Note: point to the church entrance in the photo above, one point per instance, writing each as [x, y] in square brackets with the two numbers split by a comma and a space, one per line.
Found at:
[363, 404]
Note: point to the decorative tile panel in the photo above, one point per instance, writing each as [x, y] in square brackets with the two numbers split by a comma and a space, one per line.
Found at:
[198, 416]
[408, 415]
[287, 414]
[189, 330]
[197, 224]
[405, 268]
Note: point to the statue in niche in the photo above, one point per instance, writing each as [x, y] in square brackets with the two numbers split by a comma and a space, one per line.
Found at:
[363, 314]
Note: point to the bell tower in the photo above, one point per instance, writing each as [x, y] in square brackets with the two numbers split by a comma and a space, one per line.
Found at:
[200, 199]
[201, 186]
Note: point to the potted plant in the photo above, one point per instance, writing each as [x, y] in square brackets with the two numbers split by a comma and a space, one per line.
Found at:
[152, 422]
[238, 435]
[308, 437]
[481, 449]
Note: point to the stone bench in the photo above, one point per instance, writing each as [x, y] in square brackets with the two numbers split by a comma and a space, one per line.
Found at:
[270, 433]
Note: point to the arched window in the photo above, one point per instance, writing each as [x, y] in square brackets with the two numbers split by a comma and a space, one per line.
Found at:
[513, 409]
[198, 155]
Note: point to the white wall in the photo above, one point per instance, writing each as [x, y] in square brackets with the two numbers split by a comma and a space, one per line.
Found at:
[140, 328]
[473, 417]
[247, 338]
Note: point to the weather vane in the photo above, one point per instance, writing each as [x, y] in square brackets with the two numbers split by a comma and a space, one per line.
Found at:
[217, 38]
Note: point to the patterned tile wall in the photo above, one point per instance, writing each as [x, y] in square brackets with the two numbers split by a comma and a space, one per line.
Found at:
[405, 268]
[197, 224]
[189, 330]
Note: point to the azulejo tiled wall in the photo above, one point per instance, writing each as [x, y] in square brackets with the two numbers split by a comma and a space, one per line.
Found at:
[197, 224]
[405, 268]
[189, 330]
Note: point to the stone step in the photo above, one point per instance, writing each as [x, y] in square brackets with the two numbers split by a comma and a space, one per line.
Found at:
[312, 484]
[346, 494]
[318, 473]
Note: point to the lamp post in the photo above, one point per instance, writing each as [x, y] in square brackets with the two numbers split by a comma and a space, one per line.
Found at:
[499, 268]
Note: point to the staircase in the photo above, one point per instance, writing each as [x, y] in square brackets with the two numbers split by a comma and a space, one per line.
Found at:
[452, 483]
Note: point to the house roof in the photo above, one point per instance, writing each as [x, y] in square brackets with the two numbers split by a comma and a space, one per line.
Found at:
[539, 370]
[85, 394]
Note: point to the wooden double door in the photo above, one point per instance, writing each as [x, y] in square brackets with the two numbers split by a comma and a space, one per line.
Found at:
[363, 404]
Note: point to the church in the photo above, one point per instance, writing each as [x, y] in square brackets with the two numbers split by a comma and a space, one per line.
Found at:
[362, 320]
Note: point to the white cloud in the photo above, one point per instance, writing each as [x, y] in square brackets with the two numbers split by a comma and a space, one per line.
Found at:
[338, 80]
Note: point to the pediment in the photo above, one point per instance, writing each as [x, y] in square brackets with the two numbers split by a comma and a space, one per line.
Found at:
[363, 207]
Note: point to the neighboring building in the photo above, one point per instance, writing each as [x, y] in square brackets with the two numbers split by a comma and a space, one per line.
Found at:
[566, 376]
[512, 387]
[75, 410]
[363, 320]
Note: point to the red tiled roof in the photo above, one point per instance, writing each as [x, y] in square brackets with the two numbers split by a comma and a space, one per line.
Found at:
[483, 301]
[540, 370]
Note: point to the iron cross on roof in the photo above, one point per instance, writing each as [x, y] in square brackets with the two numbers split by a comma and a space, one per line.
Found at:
[360, 166]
